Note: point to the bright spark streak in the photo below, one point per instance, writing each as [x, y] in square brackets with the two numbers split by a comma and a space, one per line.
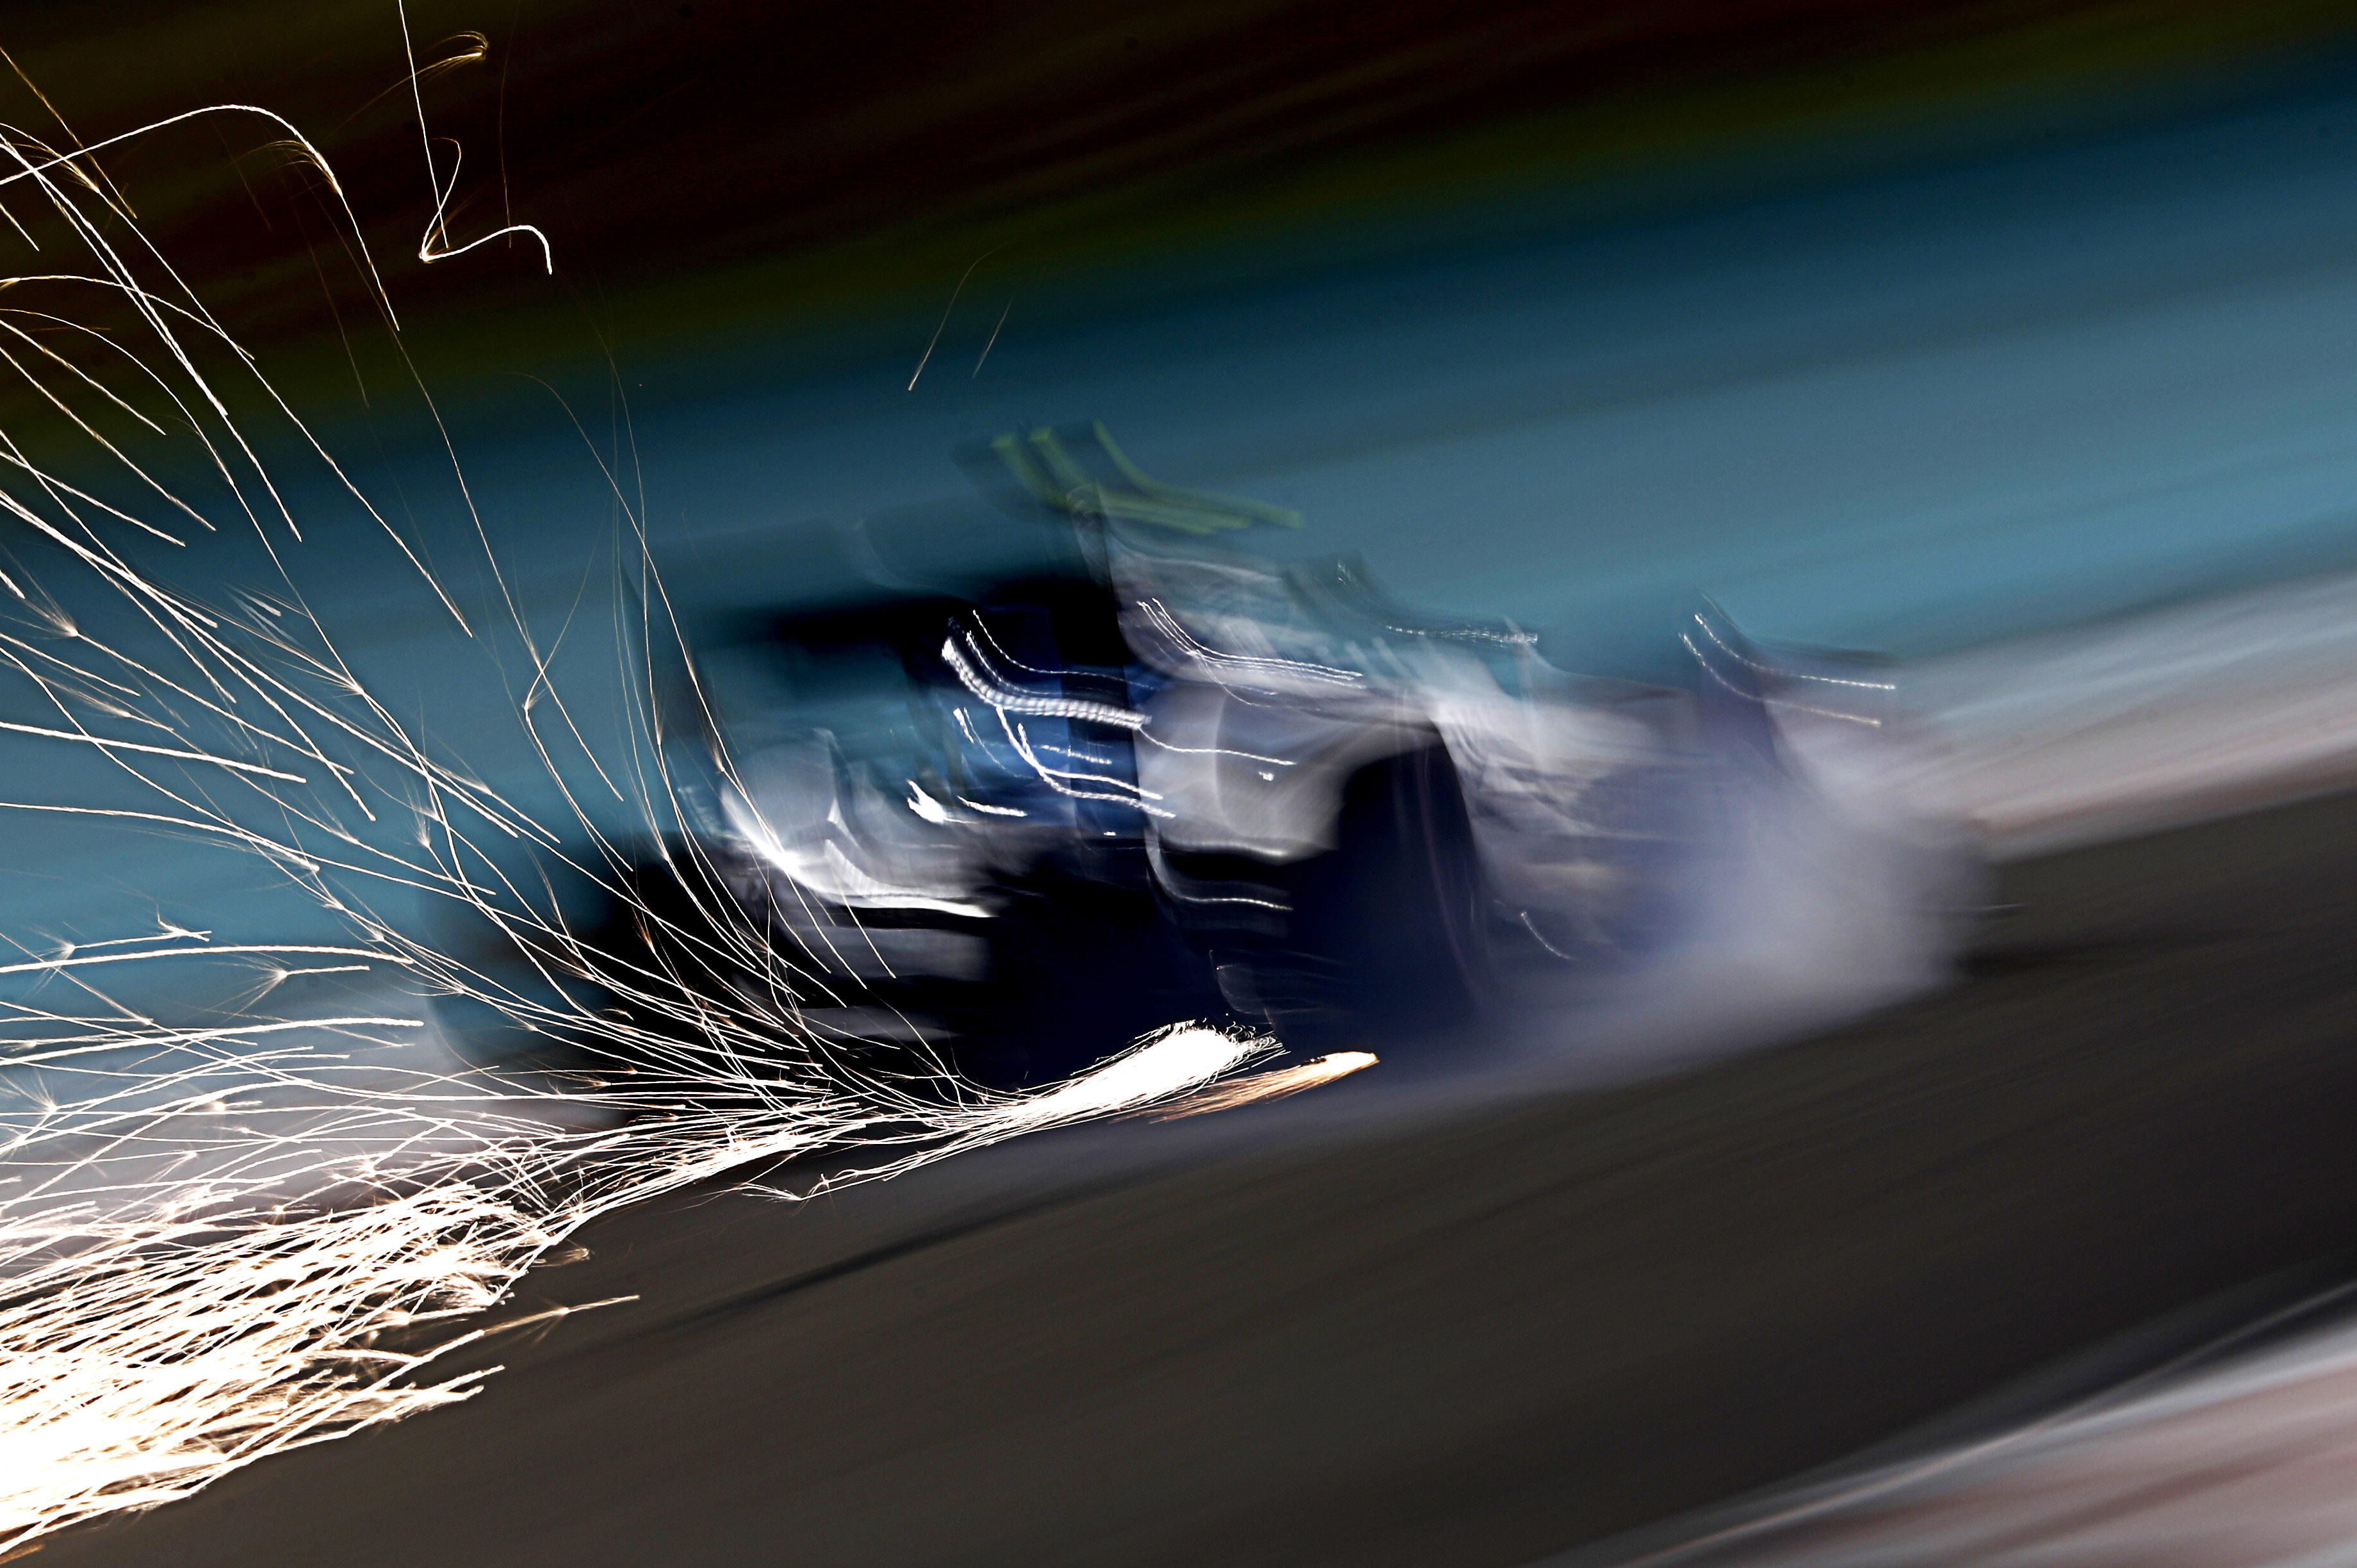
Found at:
[101, 742]
[435, 245]
[78, 963]
[1275, 1084]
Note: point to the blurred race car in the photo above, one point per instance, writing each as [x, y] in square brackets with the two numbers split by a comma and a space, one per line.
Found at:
[1010, 829]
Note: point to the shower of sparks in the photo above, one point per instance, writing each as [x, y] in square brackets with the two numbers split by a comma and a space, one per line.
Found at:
[220, 1242]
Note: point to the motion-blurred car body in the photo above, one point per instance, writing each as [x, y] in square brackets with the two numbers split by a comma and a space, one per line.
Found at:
[1010, 829]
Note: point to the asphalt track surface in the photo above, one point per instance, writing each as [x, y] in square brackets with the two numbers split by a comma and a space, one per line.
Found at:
[1478, 1341]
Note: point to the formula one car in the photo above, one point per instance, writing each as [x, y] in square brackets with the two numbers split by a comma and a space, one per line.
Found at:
[1005, 830]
